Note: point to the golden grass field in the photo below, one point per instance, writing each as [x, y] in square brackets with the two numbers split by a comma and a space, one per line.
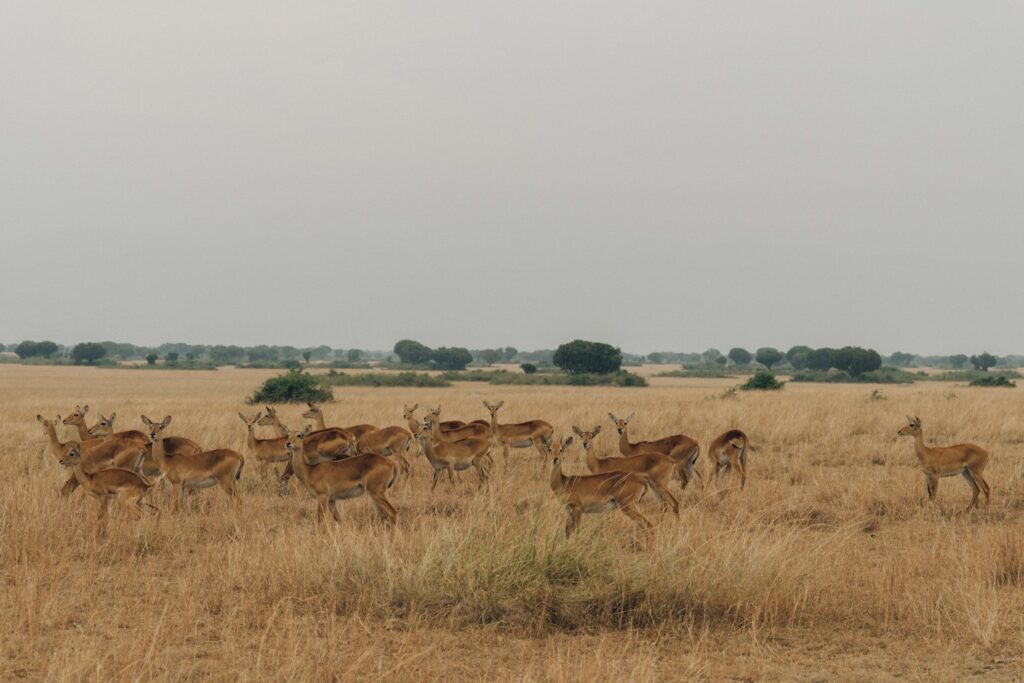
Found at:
[828, 566]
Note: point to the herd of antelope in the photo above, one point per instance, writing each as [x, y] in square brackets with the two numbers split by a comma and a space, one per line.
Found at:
[336, 463]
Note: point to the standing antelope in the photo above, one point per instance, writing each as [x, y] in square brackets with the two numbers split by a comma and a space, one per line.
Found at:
[965, 459]
[331, 442]
[332, 480]
[594, 492]
[655, 467]
[521, 435]
[77, 420]
[445, 456]
[97, 453]
[127, 486]
[265, 451]
[478, 429]
[317, 416]
[728, 451]
[679, 447]
[393, 441]
[104, 429]
[190, 471]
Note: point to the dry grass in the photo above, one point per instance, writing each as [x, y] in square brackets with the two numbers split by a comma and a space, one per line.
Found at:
[827, 567]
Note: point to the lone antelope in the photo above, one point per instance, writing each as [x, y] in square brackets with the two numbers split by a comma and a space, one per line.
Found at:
[729, 451]
[679, 447]
[127, 486]
[96, 454]
[948, 461]
[521, 435]
[594, 492]
[334, 480]
[265, 451]
[445, 456]
[655, 467]
[317, 416]
[190, 471]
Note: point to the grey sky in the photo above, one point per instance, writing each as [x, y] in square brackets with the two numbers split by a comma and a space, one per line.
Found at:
[656, 175]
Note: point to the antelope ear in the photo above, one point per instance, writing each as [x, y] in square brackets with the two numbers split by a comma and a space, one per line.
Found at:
[244, 419]
[917, 420]
[612, 416]
[576, 431]
[501, 403]
[146, 421]
[566, 443]
[414, 407]
[310, 405]
[306, 430]
[597, 430]
[630, 418]
[40, 418]
[256, 416]
[110, 420]
[166, 421]
[85, 409]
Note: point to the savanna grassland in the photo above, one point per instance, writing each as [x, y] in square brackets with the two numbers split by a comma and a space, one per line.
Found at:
[826, 567]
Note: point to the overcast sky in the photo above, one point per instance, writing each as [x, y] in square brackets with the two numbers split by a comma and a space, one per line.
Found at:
[661, 176]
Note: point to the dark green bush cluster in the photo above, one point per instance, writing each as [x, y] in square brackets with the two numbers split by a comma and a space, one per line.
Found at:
[617, 379]
[33, 349]
[992, 381]
[528, 368]
[712, 370]
[972, 375]
[294, 386]
[385, 379]
[880, 376]
[762, 380]
[580, 356]
[412, 352]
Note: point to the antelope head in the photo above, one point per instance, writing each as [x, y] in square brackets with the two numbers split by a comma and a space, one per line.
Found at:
[913, 427]
[156, 428]
[76, 417]
[620, 425]
[586, 438]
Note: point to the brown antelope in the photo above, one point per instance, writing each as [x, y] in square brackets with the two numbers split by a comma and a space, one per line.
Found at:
[393, 441]
[656, 467]
[317, 416]
[97, 453]
[477, 430]
[331, 443]
[446, 456]
[265, 451]
[521, 435]
[127, 486]
[594, 492]
[190, 471]
[332, 480]
[965, 459]
[77, 420]
[104, 429]
[679, 447]
[729, 451]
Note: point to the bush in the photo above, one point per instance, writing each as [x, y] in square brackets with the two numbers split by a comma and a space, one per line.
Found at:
[856, 360]
[454, 358]
[294, 386]
[528, 368]
[579, 356]
[992, 381]
[616, 379]
[880, 376]
[353, 355]
[88, 352]
[385, 379]
[709, 370]
[151, 358]
[971, 375]
[762, 380]
[470, 375]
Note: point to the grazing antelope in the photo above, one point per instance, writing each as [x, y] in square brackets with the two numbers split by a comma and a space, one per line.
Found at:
[679, 447]
[332, 480]
[728, 451]
[521, 435]
[594, 492]
[478, 429]
[317, 416]
[965, 459]
[97, 453]
[331, 443]
[190, 471]
[393, 441]
[265, 451]
[656, 467]
[445, 456]
[127, 486]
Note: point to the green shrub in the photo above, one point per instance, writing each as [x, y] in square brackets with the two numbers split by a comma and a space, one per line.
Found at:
[762, 380]
[971, 375]
[992, 381]
[385, 379]
[528, 368]
[471, 375]
[294, 386]
[617, 379]
[880, 376]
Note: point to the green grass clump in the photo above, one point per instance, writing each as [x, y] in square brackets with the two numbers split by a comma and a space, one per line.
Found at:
[762, 380]
[993, 381]
[294, 386]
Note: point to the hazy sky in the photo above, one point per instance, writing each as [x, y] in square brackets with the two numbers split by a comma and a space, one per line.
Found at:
[661, 176]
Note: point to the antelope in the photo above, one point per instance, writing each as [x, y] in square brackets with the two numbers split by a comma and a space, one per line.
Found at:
[77, 420]
[965, 459]
[478, 429]
[97, 453]
[265, 451]
[728, 451]
[447, 456]
[317, 416]
[190, 471]
[127, 486]
[521, 435]
[655, 467]
[594, 492]
[104, 429]
[679, 447]
[332, 480]
[393, 441]
[331, 443]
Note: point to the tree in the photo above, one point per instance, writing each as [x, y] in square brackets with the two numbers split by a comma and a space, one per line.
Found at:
[797, 356]
[902, 360]
[453, 358]
[172, 357]
[767, 356]
[656, 357]
[190, 356]
[31, 349]
[354, 355]
[819, 359]
[721, 360]
[509, 353]
[710, 355]
[88, 352]
[306, 355]
[579, 356]
[528, 368]
[151, 358]
[958, 360]
[983, 361]
[739, 356]
[856, 360]
[490, 356]
[412, 352]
